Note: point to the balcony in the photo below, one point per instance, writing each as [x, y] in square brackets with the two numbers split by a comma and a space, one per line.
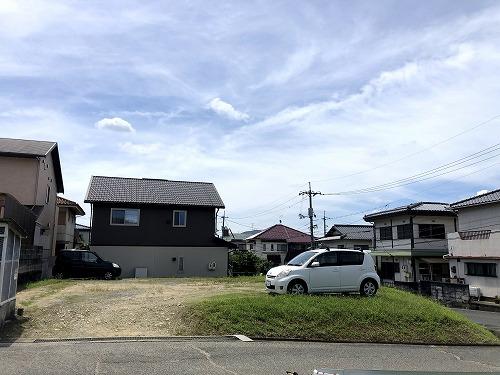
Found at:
[21, 218]
[474, 244]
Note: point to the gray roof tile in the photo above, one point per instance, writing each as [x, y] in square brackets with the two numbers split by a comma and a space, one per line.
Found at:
[490, 197]
[352, 232]
[437, 208]
[152, 191]
[25, 147]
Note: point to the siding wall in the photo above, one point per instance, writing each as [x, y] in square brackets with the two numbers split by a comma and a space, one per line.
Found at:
[479, 217]
[164, 261]
[155, 227]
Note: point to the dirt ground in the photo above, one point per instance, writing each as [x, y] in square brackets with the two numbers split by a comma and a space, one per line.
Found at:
[98, 308]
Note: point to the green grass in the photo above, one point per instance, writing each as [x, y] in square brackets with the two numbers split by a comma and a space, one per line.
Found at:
[391, 316]
[52, 283]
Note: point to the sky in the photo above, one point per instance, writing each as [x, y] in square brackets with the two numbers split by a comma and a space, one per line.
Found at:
[261, 97]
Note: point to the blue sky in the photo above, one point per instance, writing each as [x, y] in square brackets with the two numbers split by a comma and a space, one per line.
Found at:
[259, 97]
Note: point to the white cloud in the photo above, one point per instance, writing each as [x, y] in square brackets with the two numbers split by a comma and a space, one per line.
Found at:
[141, 149]
[481, 192]
[115, 124]
[225, 109]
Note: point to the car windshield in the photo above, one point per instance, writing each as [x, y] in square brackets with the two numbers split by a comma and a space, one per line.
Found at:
[300, 259]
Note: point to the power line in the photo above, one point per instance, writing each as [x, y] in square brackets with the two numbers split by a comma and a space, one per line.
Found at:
[433, 173]
[413, 153]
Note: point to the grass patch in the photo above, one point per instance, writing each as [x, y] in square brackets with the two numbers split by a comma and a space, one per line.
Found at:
[53, 283]
[392, 316]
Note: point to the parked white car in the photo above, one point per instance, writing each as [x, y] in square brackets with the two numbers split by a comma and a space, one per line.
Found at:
[325, 271]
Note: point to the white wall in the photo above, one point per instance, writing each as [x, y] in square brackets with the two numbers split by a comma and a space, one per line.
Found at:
[160, 263]
[489, 286]
[479, 217]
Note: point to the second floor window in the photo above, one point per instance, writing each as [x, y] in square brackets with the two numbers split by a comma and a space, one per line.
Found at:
[431, 231]
[125, 216]
[179, 218]
[386, 233]
[404, 231]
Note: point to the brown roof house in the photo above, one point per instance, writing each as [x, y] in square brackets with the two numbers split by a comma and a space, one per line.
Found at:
[66, 213]
[157, 227]
[278, 243]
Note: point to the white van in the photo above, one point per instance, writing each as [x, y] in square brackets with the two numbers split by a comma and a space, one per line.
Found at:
[325, 271]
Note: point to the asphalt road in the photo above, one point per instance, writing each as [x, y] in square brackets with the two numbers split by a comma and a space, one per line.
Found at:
[489, 319]
[236, 357]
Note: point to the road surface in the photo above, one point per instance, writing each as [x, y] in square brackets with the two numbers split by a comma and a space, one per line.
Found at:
[489, 319]
[236, 357]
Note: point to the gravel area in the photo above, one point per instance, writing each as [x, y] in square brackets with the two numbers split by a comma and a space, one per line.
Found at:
[98, 308]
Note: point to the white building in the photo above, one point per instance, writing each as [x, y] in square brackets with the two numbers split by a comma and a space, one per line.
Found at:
[410, 241]
[348, 236]
[474, 250]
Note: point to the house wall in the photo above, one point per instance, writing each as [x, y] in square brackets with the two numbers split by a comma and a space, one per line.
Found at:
[488, 286]
[66, 231]
[420, 243]
[164, 261]
[155, 227]
[479, 217]
[27, 182]
[257, 247]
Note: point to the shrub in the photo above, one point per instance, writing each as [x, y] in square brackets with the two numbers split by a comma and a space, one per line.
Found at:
[243, 262]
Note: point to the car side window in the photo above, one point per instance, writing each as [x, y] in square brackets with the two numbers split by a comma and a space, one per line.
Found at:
[72, 255]
[327, 259]
[351, 258]
[89, 258]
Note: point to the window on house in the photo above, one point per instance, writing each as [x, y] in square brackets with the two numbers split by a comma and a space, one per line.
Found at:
[385, 233]
[180, 264]
[481, 269]
[251, 246]
[431, 231]
[272, 247]
[125, 216]
[281, 247]
[47, 195]
[404, 231]
[179, 218]
[264, 246]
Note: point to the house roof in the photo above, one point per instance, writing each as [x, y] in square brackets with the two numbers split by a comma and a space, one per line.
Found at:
[104, 189]
[351, 232]
[280, 232]
[241, 236]
[63, 202]
[81, 227]
[419, 208]
[23, 148]
[486, 198]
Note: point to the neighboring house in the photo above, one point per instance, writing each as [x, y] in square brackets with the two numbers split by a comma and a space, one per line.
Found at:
[162, 227]
[31, 172]
[474, 250]
[17, 225]
[410, 241]
[239, 239]
[66, 213]
[278, 243]
[82, 235]
[348, 236]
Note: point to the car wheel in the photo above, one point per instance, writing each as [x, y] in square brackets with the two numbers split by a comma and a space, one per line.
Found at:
[368, 288]
[108, 275]
[297, 287]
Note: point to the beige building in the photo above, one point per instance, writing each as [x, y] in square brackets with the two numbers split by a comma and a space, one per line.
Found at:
[31, 172]
[474, 249]
[348, 236]
[410, 241]
[66, 213]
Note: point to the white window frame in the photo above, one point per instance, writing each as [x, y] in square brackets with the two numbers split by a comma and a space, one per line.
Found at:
[124, 224]
[185, 219]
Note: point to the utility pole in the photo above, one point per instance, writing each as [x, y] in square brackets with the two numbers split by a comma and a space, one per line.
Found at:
[311, 215]
[324, 223]
[223, 223]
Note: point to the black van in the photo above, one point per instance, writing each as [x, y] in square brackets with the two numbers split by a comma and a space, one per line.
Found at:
[84, 263]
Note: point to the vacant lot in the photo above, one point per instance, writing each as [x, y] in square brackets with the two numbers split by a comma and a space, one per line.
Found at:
[98, 308]
[161, 307]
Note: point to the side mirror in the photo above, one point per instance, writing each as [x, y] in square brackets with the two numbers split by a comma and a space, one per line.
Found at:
[315, 264]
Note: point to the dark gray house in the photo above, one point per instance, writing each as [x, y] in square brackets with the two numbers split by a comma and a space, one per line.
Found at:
[157, 227]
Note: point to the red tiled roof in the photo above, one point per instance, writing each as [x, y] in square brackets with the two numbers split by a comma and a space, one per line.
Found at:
[280, 232]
